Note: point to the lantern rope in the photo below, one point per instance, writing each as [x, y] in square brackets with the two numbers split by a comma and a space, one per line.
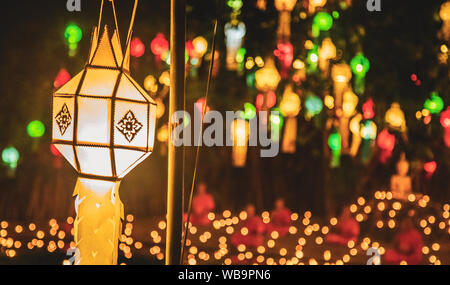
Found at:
[115, 20]
[191, 194]
[131, 24]
[100, 20]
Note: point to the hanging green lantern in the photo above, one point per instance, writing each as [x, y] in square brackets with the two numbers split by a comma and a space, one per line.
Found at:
[360, 65]
[313, 105]
[10, 156]
[36, 129]
[434, 104]
[323, 21]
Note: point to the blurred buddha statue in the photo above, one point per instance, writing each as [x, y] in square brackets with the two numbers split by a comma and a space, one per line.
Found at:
[253, 235]
[401, 182]
[202, 205]
[280, 219]
[347, 229]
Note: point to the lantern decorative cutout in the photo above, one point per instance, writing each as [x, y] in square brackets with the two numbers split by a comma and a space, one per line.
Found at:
[290, 107]
[240, 131]
[355, 129]
[234, 35]
[327, 51]
[341, 75]
[104, 125]
[285, 8]
[444, 14]
[395, 118]
[445, 122]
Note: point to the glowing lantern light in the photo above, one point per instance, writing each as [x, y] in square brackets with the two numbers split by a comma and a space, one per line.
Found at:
[276, 123]
[285, 8]
[434, 104]
[270, 100]
[267, 78]
[239, 134]
[445, 122]
[444, 14]
[369, 130]
[395, 117]
[341, 75]
[430, 168]
[350, 103]
[73, 35]
[200, 104]
[249, 111]
[235, 4]
[360, 65]
[327, 51]
[285, 54]
[313, 59]
[162, 136]
[367, 109]
[35, 129]
[355, 129]
[137, 47]
[61, 78]
[159, 45]
[290, 107]
[323, 21]
[150, 84]
[10, 156]
[313, 4]
[386, 143]
[234, 35]
[334, 143]
[104, 125]
[313, 105]
[200, 46]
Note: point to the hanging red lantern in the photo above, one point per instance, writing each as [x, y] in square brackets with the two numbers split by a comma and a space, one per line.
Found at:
[386, 143]
[430, 168]
[137, 48]
[285, 54]
[270, 98]
[367, 108]
[62, 78]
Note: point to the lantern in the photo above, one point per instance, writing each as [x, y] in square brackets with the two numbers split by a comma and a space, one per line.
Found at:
[334, 143]
[285, 54]
[314, 4]
[367, 109]
[249, 111]
[386, 143]
[323, 21]
[444, 14]
[327, 51]
[445, 122]
[73, 35]
[159, 46]
[276, 123]
[61, 78]
[234, 34]
[200, 46]
[360, 65]
[355, 129]
[267, 78]
[368, 134]
[395, 118]
[434, 104]
[137, 47]
[104, 125]
[430, 168]
[341, 75]
[240, 131]
[285, 8]
[163, 136]
[290, 107]
[10, 157]
[313, 105]
[35, 129]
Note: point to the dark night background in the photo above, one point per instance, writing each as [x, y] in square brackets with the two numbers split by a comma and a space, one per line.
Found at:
[399, 41]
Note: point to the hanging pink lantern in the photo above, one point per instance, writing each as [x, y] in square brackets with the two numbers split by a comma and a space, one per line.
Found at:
[285, 54]
[430, 168]
[367, 108]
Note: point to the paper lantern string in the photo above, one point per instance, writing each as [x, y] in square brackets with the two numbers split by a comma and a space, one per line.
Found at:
[191, 194]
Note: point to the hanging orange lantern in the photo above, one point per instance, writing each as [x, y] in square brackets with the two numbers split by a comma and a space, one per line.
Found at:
[395, 118]
[444, 14]
[285, 8]
[290, 107]
[341, 75]
[104, 125]
[240, 130]
[327, 51]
